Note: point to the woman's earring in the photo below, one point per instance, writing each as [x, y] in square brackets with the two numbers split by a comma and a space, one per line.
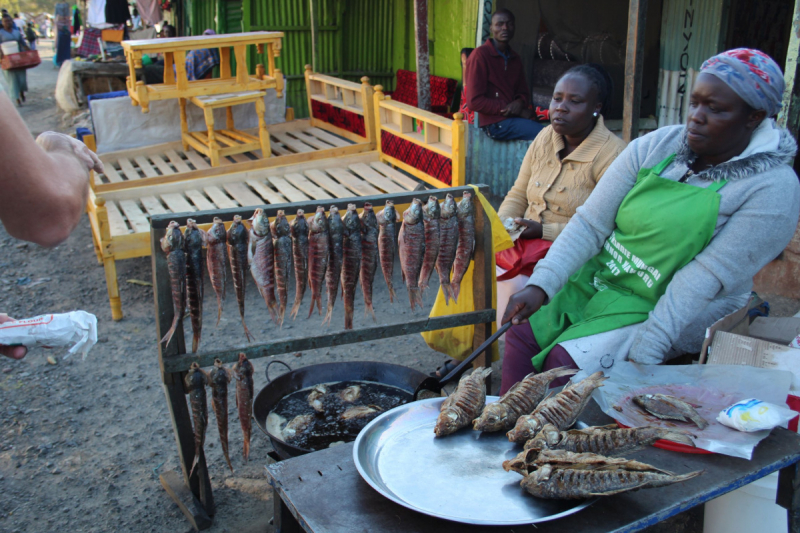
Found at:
[595, 113]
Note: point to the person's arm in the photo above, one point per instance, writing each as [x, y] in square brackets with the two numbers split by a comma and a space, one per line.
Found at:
[45, 190]
[477, 76]
[752, 237]
[516, 201]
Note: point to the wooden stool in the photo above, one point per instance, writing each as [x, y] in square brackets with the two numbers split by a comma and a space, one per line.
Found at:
[236, 142]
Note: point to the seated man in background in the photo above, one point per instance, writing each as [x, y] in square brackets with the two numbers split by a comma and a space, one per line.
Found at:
[496, 87]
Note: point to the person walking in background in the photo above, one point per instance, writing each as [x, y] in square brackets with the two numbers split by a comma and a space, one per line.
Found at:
[63, 36]
[30, 35]
[17, 79]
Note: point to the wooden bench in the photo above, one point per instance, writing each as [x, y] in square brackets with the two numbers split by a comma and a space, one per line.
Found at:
[236, 142]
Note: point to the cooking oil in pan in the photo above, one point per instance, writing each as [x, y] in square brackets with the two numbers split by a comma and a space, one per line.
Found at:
[346, 408]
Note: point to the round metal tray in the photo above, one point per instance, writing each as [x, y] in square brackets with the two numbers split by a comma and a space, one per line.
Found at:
[459, 477]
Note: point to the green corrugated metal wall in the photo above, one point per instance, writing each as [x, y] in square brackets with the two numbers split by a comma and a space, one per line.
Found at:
[367, 48]
[232, 16]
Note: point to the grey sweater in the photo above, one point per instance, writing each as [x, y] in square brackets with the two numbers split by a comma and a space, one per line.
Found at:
[758, 213]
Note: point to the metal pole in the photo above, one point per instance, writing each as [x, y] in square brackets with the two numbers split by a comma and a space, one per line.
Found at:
[423, 61]
[634, 62]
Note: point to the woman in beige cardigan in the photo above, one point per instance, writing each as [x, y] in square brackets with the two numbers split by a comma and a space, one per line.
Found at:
[560, 170]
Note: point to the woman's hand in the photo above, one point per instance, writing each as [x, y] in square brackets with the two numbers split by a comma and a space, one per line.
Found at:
[523, 304]
[533, 229]
[14, 352]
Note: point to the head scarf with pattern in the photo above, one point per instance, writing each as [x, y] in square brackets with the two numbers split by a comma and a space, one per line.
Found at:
[752, 74]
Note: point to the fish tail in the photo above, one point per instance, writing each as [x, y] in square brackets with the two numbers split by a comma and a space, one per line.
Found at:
[391, 293]
[411, 297]
[295, 308]
[415, 295]
[247, 333]
[246, 452]
[455, 288]
[273, 311]
[194, 462]
[281, 314]
[219, 310]
[700, 421]
[369, 310]
[228, 459]
[677, 436]
[348, 317]
[195, 341]
[448, 293]
[171, 332]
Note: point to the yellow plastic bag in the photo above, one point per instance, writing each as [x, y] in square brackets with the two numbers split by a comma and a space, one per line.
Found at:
[457, 342]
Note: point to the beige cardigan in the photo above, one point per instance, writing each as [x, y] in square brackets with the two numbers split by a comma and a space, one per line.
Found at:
[548, 190]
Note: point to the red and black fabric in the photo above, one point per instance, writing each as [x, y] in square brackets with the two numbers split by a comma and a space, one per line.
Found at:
[442, 91]
[341, 118]
[89, 44]
[542, 114]
[428, 161]
[469, 115]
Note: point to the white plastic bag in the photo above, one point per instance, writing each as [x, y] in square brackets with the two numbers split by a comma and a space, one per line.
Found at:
[78, 329]
[754, 415]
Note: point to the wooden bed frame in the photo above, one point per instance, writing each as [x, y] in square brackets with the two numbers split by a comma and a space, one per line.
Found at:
[163, 179]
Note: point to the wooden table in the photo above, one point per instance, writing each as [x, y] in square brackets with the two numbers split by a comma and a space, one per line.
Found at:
[323, 491]
[176, 83]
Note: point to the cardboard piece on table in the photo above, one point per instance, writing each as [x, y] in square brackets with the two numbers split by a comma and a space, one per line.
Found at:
[731, 349]
[736, 322]
[778, 330]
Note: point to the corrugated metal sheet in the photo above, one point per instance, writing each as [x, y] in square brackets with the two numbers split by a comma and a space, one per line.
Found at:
[232, 16]
[202, 16]
[495, 163]
[367, 48]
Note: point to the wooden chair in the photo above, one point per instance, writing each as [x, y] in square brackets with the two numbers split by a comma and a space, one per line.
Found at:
[210, 141]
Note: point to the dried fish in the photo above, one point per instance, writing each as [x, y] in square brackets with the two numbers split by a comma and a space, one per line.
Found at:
[299, 231]
[430, 220]
[318, 245]
[335, 258]
[605, 440]
[196, 381]
[350, 394]
[194, 240]
[315, 397]
[297, 426]
[369, 255]
[448, 244]
[283, 260]
[172, 244]
[669, 408]
[562, 475]
[528, 461]
[217, 261]
[561, 410]
[387, 235]
[520, 400]
[411, 243]
[464, 404]
[361, 412]
[238, 238]
[351, 262]
[219, 377]
[262, 260]
[466, 242]
[243, 372]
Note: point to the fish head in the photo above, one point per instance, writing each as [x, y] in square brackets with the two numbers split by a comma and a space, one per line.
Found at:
[465, 205]
[368, 217]
[413, 214]
[280, 227]
[493, 418]
[446, 423]
[260, 223]
[173, 238]
[448, 207]
[318, 222]
[351, 220]
[432, 208]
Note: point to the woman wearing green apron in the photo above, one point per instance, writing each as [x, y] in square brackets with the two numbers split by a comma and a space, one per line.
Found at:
[670, 239]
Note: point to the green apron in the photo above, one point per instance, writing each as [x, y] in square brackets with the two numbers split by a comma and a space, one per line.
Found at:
[661, 225]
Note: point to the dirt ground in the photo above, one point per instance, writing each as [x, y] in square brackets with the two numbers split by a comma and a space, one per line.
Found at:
[82, 442]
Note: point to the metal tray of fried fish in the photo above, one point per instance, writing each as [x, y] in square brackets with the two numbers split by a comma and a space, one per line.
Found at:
[459, 477]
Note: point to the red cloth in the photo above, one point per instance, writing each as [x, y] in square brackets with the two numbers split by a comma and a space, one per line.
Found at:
[521, 259]
[342, 118]
[794, 404]
[442, 91]
[492, 84]
[428, 161]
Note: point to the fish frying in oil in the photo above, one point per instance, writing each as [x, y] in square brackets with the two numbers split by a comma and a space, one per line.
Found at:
[299, 232]
[466, 242]
[219, 378]
[217, 260]
[360, 412]
[335, 258]
[297, 426]
[194, 239]
[387, 237]
[561, 410]
[282, 245]
[315, 397]
[369, 256]
[318, 244]
[521, 399]
[563, 475]
[172, 244]
[243, 372]
[350, 394]
[464, 404]
[261, 257]
[669, 408]
[196, 381]
[238, 238]
[448, 244]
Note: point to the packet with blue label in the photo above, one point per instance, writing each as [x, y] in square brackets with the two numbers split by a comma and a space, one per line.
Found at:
[754, 415]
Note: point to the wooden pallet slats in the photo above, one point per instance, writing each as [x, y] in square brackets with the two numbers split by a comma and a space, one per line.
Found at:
[307, 187]
[352, 182]
[111, 173]
[224, 139]
[152, 205]
[162, 165]
[242, 194]
[136, 218]
[286, 189]
[310, 140]
[220, 198]
[127, 168]
[375, 178]
[199, 200]
[294, 144]
[197, 160]
[330, 185]
[115, 221]
[328, 137]
[266, 192]
[146, 167]
[240, 158]
[177, 203]
[403, 180]
[278, 148]
[177, 161]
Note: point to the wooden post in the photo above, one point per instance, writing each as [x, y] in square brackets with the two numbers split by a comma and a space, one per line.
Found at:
[109, 264]
[459, 152]
[91, 143]
[423, 60]
[378, 98]
[369, 111]
[482, 286]
[634, 62]
[184, 124]
[314, 36]
[307, 73]
[263, 134]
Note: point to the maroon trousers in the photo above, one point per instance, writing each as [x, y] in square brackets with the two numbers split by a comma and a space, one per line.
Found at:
[520, 348]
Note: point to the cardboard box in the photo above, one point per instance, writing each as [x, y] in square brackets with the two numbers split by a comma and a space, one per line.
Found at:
[778, 330]
[731, 349]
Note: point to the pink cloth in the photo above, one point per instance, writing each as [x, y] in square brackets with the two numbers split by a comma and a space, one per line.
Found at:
[150, 11]
[520, 348]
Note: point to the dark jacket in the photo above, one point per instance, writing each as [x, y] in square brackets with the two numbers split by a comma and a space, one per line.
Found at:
[493, 82]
